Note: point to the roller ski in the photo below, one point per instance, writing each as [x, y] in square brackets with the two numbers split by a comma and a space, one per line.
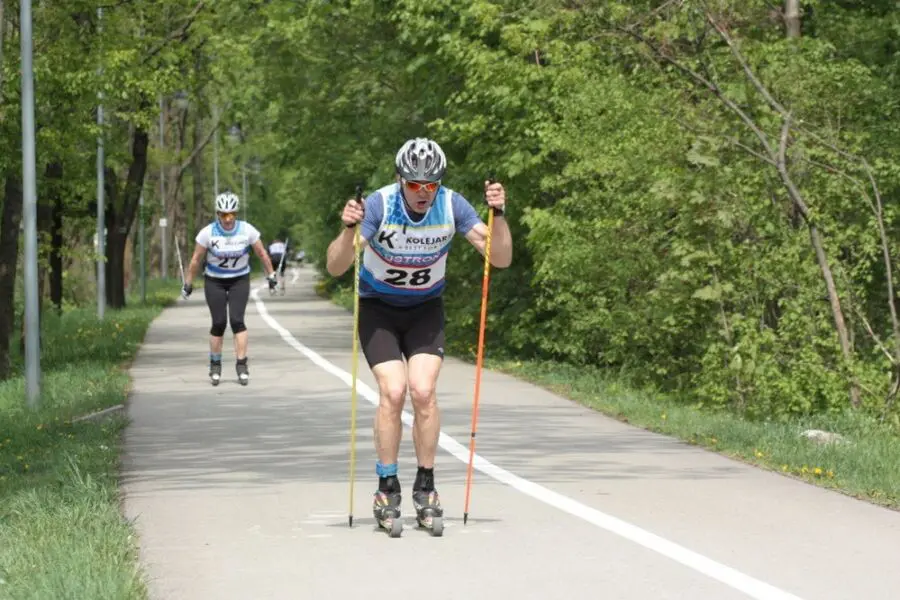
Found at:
[429, 514]
[243, 373]
[386, 508]
[215, 371]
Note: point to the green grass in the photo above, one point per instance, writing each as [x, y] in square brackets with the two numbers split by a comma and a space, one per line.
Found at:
[62, 534]
[867, 466]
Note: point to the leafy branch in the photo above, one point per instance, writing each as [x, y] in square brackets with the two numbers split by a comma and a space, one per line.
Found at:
[770, 155]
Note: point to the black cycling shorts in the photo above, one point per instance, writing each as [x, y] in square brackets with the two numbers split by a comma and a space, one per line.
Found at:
[389, 332]
[276, 258]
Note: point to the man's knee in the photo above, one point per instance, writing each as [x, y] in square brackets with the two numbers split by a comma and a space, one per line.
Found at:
[218, 329]
[393, 395]
[422, 394]
[237, 327]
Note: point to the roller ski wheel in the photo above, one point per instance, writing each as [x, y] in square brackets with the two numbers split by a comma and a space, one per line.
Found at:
[215, 373]
[386, 508]
[393, 526]
[429, 514]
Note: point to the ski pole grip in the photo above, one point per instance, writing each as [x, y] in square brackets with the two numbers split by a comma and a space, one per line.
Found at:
[493, 179]
[359, 194]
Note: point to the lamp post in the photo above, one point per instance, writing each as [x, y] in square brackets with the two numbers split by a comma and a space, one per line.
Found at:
[101, 200]
[163, 220]
[29, 210]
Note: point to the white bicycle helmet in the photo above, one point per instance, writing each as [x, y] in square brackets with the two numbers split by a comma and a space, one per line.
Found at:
[227, 202]
[421, 159]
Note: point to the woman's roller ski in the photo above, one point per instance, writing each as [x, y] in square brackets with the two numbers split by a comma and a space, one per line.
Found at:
[215, 371]
[240, 368]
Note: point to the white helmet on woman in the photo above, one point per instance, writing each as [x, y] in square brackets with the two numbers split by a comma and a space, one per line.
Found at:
[421, 159]
[227, 202]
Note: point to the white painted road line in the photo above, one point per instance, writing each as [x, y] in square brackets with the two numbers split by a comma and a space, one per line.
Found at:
[751, 586]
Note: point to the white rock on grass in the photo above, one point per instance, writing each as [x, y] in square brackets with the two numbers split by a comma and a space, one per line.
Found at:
[823, 437]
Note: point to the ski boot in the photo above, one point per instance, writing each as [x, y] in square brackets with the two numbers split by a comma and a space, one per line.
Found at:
[386, 508]
[429, 513]
[242, 372]
[215, 371]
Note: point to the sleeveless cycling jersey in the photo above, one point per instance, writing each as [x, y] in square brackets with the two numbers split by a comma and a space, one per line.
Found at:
[227, 252]
[405, 261]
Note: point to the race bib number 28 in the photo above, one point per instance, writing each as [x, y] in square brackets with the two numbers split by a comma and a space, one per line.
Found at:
[407, 278]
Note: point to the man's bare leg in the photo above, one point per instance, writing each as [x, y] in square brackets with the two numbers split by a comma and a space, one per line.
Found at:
[424, 370]
[423, 375]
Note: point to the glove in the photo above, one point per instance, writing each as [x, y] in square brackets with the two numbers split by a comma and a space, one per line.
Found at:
[273, 280]
[498, 208]
[186, 290]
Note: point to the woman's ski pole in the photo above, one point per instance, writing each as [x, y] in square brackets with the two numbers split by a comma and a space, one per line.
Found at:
[485, 282]
[355, 360]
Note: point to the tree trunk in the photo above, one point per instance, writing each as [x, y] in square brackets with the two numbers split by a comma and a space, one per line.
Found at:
[9, 256]
[197, 214]
[44, 215]
[174, 198]
[52, 189]
[54, 218]
[2, 38]
[198, 173]
[792, 18]
[115, 268]
[56, 258]
[123, 206]
[834, 299]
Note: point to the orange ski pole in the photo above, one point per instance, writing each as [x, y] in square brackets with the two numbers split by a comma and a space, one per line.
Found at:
[356, 245]
[485, 283]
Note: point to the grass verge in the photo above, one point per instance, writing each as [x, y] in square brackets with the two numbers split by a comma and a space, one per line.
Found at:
[62, 534]
[865, 465]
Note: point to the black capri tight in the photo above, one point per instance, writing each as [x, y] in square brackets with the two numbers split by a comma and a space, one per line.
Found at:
[227, 298]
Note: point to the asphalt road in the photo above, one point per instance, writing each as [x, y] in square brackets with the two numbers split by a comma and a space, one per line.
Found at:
[243, 492]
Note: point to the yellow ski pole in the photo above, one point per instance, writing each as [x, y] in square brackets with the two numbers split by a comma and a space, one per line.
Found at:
[355, 359]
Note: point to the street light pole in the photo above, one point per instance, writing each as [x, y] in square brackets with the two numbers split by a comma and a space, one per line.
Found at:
[163, 221]
[29, 209]
[101, 203]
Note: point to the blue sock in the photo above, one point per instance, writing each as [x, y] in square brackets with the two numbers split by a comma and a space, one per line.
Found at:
[215, 357]
[385, 470]
[387, 478]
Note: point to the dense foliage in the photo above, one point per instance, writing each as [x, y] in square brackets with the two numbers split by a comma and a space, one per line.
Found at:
[702, 192]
